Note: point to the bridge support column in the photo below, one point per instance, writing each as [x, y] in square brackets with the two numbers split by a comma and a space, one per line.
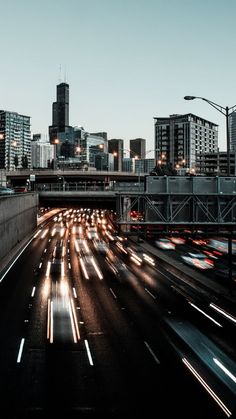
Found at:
[126, 214]
[231, 284]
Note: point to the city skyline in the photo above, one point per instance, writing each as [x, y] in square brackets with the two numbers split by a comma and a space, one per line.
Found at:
[125, 62]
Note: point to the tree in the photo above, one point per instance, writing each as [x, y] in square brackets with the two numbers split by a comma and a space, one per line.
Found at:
[164, 169]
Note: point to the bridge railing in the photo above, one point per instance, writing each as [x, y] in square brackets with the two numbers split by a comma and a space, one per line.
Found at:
[88, 186]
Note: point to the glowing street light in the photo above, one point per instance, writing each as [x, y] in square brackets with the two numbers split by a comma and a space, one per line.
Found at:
[226, 111]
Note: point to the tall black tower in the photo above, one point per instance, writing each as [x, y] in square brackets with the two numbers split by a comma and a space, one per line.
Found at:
[60, 112]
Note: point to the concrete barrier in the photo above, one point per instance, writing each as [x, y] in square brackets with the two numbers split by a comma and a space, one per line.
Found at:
[18, 218]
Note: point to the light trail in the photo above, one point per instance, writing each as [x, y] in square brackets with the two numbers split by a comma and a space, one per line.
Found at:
[207, 388]
[205, 314]
[226, 371]
[223, 312]
[17, 257]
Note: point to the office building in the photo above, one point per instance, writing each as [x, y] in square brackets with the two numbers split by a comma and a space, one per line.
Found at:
[60, 112]
[42, 152]
[100, 134]
[116, 147]
[179, 138]
[144, 165]
[15, 141]
[216, 164]
[128, 164]
[137, 148]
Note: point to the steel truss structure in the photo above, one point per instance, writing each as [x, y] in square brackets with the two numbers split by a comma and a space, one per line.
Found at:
[168, 208]
[173, 210]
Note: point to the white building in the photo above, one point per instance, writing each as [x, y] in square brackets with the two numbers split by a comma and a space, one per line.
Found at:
[42, 152]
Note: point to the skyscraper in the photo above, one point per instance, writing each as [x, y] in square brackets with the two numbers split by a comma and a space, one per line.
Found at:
[116, 147]
[15, 140]
[60, 112]
[137, 148]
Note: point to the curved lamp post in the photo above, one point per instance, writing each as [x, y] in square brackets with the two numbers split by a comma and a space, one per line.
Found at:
[226, 111]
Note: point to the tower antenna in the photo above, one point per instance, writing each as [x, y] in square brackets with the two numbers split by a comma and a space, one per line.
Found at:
[65, 75]
[60, 73]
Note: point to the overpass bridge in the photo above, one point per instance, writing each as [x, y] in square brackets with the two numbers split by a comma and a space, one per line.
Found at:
[89, 177]
[163, 203]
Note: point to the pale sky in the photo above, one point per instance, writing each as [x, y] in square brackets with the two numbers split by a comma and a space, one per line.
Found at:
[126, 61]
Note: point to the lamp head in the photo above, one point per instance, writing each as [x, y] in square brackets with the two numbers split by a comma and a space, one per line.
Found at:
[189, 97]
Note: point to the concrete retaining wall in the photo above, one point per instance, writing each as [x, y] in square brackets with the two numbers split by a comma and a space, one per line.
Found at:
[18, 218]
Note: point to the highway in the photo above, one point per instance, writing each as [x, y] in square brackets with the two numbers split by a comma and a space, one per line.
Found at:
[90, 327]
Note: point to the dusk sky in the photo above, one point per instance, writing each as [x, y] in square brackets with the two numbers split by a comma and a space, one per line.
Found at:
[126, 61]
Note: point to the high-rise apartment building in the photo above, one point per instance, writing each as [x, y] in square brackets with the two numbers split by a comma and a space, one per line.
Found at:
[60, 112]
[15, 140]
[137, 148]
[232, 130]
[179, 138]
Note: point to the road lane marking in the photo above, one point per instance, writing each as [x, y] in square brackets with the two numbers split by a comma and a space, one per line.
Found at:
[153, 296]
[88, 352]
[20, 350]
[74, 320]
[114, 295]
[152, 353]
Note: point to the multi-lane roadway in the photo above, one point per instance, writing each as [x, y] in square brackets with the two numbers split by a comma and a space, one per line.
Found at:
[92, 326]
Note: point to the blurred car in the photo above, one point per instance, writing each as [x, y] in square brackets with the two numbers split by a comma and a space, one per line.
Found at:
[6, 191]
[178, 240]
[89, 267]
[101, 246]
[165, 244]
[20, 189]
[198, 260]
[57, 258]
[120, 269]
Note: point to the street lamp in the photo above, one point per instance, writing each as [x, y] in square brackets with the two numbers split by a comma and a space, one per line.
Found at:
[55, 143]
[226, 111]
[123, 151]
